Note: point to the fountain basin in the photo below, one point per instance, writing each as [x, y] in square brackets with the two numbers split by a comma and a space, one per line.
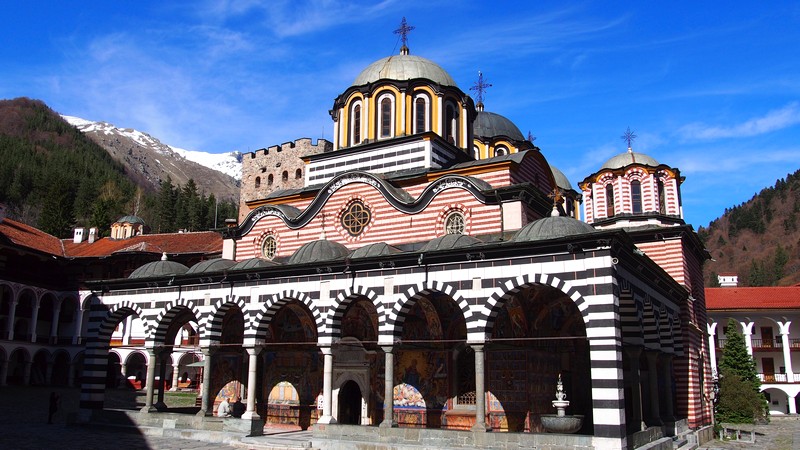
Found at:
[553, 423]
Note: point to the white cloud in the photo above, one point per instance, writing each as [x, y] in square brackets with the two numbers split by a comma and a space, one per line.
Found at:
[774, 120]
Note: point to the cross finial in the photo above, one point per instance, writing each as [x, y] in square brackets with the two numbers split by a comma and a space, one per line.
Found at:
[629, 137]
[557, 199]
[480, 87]
[531, 137]
[403, 32]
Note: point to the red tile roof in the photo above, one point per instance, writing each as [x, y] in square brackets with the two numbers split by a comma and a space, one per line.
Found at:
[752, 298]
[196, 242]
[23, 235]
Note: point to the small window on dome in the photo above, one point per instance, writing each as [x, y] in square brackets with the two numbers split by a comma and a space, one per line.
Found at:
[662, 198]
[386, 117]
[609, 200]
[356, 125]
[454, 223]
[269, 247]
[451, 124]
[421, 114]
[500, 151]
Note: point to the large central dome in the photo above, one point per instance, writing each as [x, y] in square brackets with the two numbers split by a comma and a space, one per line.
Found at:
[404, 67]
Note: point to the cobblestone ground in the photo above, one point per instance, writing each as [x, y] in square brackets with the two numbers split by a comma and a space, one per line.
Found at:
[23, 421]
[782, 433]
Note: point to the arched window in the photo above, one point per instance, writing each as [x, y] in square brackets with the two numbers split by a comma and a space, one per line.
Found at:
[421, 114]
[636, 196]
[269, 247]
[298, 174]
[386, 118]
[454, 223]
[500, 151]
[609, 200]
[285, 176]
[662, 197]
[355, 125]
[451, 124]
[270, 179]
[258, 182]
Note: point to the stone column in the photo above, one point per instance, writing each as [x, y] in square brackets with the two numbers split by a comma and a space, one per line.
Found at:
[792, 405]
[327, 391]
[251, 415]
[12, 312]
[176, 368]
[151, 381]
[48, 374]
[480, 394]
[252, 379]
[654, 416]
[76, 337]
[787, 351]
[26, 373]
[206, 405]
[71, 375]
[54, 323]
[633, 354]
[747, 331]
[712, 348]
[35, 318]
[668, 415]
[388, 388]
[162, 374]
[4, 373]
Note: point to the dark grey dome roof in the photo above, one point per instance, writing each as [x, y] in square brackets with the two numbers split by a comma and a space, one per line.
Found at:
[130, 219]
[161, 268]
[488, 125]
[552, 228]
[211, 265]
[561, 180]
[404, 67]
[253, 263]
[318, 251]
[628, 158]
[449, 241]
[378, 249]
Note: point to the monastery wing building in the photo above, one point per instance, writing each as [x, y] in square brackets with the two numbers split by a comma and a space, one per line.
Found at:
[428, 269]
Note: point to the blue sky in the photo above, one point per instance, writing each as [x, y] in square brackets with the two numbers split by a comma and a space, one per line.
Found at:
[712, 88]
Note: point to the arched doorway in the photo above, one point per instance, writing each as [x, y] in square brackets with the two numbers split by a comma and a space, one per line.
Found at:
[349, 404]
[538, 335]
[113, 370]
[136, 370]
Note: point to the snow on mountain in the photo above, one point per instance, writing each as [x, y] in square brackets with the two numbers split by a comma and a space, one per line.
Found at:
[227, 163]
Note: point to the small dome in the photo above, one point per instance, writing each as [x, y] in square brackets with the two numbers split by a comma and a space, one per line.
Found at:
[161, 268]
[561, 180]
[489, 125]
[318, 251]
[253, 263]
[552, 227]
[449, 241]
[211, 265]
[628, 158]
[404, 67]
[378, 249]
[130, 219]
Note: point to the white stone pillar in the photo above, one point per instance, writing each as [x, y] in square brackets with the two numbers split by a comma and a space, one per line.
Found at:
[747, 331]
[54, 323]
[176, 367]
[365, 122]
[480, 393]
[783, 328]
[792, 405]
[712, 347]
[151, 381]
[35, 318]
[12, 312]
[402, 100]
[252, 379]
[388, 388]
[76, 336]
[327, 392]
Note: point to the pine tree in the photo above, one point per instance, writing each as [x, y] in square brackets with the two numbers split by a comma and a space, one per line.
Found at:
[740, 399]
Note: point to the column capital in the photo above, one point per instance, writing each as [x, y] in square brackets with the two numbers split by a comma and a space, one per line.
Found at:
[254, 351]
[326, 350]
[387, 348]
[208, 351]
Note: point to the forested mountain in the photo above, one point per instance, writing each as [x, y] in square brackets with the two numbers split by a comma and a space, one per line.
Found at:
[758, 240]
[55, 178]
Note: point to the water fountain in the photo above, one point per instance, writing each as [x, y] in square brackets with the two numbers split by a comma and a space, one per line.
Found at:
[561, 422]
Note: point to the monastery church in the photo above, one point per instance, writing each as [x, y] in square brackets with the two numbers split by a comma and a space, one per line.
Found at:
[427, 269]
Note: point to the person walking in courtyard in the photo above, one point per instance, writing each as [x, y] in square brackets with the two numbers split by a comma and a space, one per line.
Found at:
[54, 401]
